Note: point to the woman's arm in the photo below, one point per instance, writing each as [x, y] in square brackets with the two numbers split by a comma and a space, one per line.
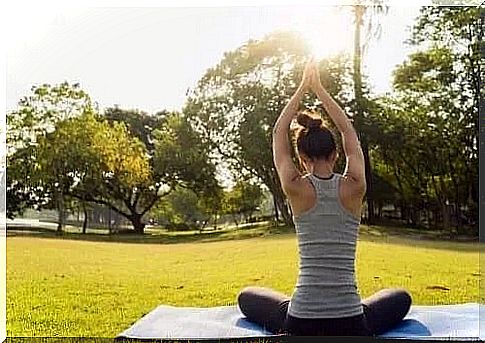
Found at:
[287, 171]
[354, 169]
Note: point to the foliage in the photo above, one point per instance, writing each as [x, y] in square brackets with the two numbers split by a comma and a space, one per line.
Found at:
[460, 30]
[432, 117]
[126, 160]
[91, 160]
[140, 124]
[181, 158]
[243, 199]
[175, 157]
[20, 192]
[180, 208]
[35, 116]
[38, 112]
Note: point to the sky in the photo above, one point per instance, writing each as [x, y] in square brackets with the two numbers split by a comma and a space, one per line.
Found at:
[146, 58]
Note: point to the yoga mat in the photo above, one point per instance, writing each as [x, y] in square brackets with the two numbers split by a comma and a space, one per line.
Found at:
[457, 322]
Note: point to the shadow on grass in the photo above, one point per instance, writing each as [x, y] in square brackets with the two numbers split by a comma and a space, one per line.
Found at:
[376, 234]
[162, 237]
[439, 240]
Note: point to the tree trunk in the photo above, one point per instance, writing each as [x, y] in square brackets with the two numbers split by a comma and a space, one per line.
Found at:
[458, 217]
[275, 203]
[236, 221]
[138, 225]
[283, 209]
[109, 222]
[359, 115]
[426, 214]
[446, 217]
[85, 222]
[436, 218]
[368, 181]
[400, 204]
[418, 216]
[215, 221]
[60, 209]
[407, 213]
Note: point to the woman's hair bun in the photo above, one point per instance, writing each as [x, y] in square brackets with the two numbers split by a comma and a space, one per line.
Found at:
[308, 121]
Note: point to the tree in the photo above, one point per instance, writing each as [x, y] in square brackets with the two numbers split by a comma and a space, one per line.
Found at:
[20, 192]
[182, 208]
[138, 123]
[177, 160]
[174, 151]
[38, 112]
[236, 103]
[450, 68]
[423, 122]
[35, 116]
[460, 30]
[59, 147]
[212, 205]
[364, 15]
[90, 160]
[243, 199]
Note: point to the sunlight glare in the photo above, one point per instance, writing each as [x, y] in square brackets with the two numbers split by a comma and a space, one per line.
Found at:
[325, 29]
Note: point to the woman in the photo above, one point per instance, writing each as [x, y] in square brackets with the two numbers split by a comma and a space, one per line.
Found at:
[326, 208]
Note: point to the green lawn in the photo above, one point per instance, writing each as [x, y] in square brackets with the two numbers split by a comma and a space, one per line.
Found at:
[71, 287]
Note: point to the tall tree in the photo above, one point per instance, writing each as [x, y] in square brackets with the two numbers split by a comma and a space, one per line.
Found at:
[59, 147]
[460, 29]
[422, 136]
[36, 115]
[90, 160]
[174, 150]
[365, 15]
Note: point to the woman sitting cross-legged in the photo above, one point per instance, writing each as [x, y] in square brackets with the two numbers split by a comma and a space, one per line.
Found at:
[326, 208]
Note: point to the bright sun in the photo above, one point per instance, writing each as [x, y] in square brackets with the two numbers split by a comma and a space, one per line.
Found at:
[326, 29]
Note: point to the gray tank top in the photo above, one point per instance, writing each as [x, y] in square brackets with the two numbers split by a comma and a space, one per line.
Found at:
[327, 237]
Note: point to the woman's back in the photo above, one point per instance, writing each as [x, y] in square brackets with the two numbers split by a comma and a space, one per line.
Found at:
[327, 236]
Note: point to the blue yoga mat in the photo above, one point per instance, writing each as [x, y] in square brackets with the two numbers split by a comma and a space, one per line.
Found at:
[458, 322]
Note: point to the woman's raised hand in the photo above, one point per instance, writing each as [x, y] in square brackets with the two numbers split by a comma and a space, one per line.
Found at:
[308, 72]
[315, 76]
[311, 76]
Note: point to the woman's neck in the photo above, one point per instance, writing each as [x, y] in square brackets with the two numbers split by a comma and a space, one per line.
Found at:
[323, 169]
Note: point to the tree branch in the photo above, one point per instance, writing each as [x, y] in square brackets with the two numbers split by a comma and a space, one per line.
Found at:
[100, 202]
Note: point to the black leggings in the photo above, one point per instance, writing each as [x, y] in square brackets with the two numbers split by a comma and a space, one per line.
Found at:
[269, 308]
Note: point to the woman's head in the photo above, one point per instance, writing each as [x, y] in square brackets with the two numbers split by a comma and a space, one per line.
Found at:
[314, 141]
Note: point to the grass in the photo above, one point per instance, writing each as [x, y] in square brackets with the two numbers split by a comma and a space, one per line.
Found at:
[152, 236]
[97, 288]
